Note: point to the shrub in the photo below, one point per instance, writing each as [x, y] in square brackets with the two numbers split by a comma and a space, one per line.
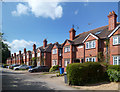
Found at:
[54, 68]
[114, 75]
[116, 67]
[89, 72]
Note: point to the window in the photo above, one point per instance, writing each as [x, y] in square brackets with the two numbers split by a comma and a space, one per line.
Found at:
[67, 49]
[90, 44]
[54, 62]
[116, 40]
[60, 53]
[92, 59]
[38, 54]
[32, 55]
[116, 60]
[28, 56]
[80, 47]
[66, 62]
[23, 57]
[54, 51]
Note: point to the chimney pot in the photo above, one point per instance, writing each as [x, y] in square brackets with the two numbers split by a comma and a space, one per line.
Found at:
[34, 47]
[24, 50]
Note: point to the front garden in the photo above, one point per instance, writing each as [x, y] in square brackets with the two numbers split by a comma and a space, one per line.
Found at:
[92, 72]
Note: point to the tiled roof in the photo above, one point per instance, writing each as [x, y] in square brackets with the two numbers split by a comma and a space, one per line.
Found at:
[101, 32]
[48, 48]
[58, 45]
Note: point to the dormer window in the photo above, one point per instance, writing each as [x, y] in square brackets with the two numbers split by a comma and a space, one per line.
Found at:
[116, 40]
[90, 44]
[54, 51]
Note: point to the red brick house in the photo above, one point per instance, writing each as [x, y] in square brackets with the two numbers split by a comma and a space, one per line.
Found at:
[56, 54]
[87, 46]
[24, 56]
[44, 54]
[100, 44]
[29, 57]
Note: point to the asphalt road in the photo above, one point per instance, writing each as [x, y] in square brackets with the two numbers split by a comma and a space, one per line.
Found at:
[35, 82]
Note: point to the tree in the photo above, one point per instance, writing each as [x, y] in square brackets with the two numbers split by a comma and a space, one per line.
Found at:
[4, 49]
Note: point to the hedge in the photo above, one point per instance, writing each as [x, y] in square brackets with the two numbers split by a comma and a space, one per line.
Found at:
[116, 67]
[82, 73]
[54, 68]
[114, 75]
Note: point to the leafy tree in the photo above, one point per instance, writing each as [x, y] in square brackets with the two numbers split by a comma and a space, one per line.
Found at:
[4, 49]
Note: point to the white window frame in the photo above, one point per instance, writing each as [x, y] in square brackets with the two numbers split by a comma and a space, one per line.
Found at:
[66, 62]
[32, 55]
[117, 59]
[24, 57]
[54, 62]
[54, 51]
[92, 58]
[38, 54]
[67, 49]
[91, 44]
[116, 40]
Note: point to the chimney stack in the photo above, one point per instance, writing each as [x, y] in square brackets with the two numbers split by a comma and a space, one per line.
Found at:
[19, 52]
[44, 43]
[112, 20]
[34, 47]
[14, 54]
[24, 50]
[72, 34]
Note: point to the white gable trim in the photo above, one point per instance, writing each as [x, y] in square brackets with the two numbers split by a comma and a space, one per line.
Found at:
[91, 35]
[114, 31]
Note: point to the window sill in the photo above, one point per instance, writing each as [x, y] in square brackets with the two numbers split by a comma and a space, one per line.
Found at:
[116, 45]
[67, 52]
[90, 48]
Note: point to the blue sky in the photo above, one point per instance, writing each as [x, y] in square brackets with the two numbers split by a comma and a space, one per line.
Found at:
[32, 25]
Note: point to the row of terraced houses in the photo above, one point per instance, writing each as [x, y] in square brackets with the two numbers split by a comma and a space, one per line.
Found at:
[94, 45]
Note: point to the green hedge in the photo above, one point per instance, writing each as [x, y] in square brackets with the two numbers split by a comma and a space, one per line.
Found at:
[54, 68]
[89, 72]
[116, 67]
[114, 75]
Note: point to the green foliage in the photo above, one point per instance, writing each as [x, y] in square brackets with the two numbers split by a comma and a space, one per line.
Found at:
[5, 65]
[114, 75]
[54, 68]
[82, 73]
[34, 63]
[4, 49]
[100, 57]
[116, 67]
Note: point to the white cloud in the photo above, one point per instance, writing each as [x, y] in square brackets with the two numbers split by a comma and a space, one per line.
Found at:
[17, 45]
[20, 9]
[76, 12]
[51, 10]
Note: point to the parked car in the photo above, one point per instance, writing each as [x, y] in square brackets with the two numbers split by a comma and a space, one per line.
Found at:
[39, 69]
[14, 65]
[21, 67]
